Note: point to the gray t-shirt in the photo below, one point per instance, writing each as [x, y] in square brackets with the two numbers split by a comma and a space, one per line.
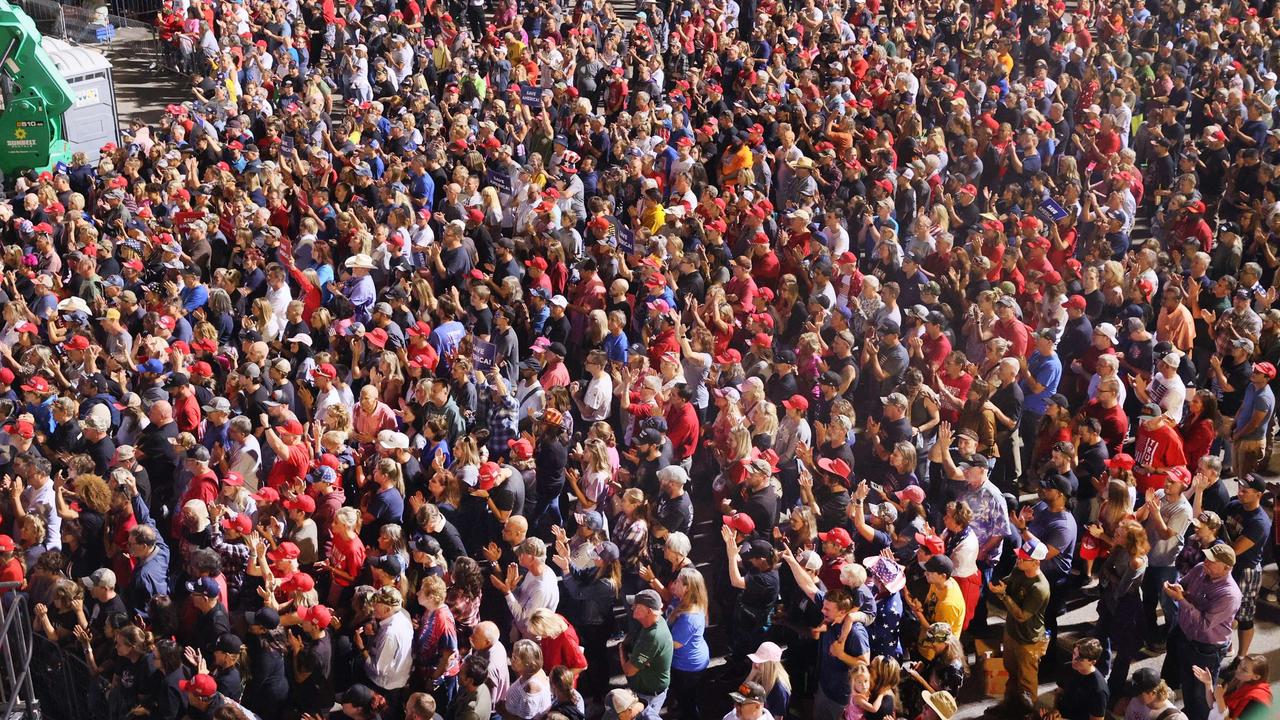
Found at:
[695, 376]
[1177, 515]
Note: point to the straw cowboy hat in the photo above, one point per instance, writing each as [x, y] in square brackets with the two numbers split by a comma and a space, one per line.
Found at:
[360, 260]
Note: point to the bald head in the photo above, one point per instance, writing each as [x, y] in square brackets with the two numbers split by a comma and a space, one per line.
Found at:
[484, 635]
[161, 413]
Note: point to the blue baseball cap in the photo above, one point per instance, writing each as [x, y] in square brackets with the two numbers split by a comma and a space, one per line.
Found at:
[324, 473]
[151, 366]
[204, 586]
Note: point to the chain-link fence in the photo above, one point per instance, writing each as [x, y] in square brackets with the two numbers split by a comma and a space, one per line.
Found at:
[91, 21]
[101, 22]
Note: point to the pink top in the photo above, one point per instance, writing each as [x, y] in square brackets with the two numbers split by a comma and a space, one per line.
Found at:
[382, 418]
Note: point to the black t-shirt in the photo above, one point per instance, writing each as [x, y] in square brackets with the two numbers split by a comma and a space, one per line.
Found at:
[646, 475]
[451, 542]
[1253, 524]
[209, 627]
[1083, 696]
[1093, 464]
[1216, 498]
[762, 507]
[1009, 399]
[759, 595]
[675, 514]
[99, 613]
[229, 682]
[833, 505]
[315, 694]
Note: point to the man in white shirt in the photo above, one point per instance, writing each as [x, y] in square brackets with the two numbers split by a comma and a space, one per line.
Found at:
[245, 456]
[327, 393]
[538, 590]
[1165, 388]
[529, 392]
[38, 497]
[388, 654]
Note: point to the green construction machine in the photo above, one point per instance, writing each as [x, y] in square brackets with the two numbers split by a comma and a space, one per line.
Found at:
[33, 98]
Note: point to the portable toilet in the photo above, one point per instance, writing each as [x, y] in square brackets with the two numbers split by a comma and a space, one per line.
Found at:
[92, 122]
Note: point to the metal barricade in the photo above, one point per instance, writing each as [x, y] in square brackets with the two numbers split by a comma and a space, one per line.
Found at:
[17, 695]
[63, 684]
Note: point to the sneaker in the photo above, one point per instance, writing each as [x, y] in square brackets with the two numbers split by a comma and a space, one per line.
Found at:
[1151, 651]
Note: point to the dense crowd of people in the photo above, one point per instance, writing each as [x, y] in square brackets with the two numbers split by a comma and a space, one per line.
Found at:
[512, 360]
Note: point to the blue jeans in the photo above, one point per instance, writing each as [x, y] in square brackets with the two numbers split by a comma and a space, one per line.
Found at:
[1153, 592]
[652, 705]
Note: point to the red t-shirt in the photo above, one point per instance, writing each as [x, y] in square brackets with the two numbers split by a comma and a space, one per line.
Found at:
[12, 572]
[935, 350]
[1159, 449]
[565, 650]
[959, 387]
[186, 413]
[347, 556]
[1016, 333]
[1114, 424]
[290, 467]
[682, 429]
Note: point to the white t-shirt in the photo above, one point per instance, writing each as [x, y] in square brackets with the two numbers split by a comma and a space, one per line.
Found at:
[1170, 394]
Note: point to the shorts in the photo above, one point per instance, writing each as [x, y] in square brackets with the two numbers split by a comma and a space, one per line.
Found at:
[1249, 580]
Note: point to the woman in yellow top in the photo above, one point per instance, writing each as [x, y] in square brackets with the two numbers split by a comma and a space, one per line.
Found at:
[652, 214]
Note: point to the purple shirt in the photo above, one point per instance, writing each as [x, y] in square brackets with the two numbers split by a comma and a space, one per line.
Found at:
[1208, 607]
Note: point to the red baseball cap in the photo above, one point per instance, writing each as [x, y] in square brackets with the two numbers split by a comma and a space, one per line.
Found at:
[240, 523]
[326, 370]
[1265, 368]
[838, 535]
[1075, 302]
[76, 342]
[39, 384]
[291, 426]
[302, 503]
[489, 473]
[7, 544]
[913, 493]
[284, 551]
[740, 522]
[299, 582]
[796, 402]
[23, 429]
[932, 543]
[202, 686]
[318, 615]
[728, 357]
[1181, 474]
[266, 495]
[521, 449]
[233, 479]
[1123, 461]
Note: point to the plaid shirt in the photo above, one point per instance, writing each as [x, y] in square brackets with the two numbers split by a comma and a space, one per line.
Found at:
[235, 561]
[502, 422]
[632, 538]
